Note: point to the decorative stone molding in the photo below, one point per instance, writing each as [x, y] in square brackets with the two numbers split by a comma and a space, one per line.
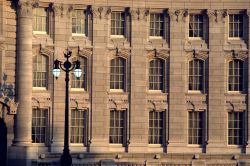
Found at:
[79, 103]
[236, 106]
[139, 14]
[196, 105]
[25, 8]
[60, 9]
[198, 54]
[157, 105]
[119, 52]
[177, 14]
[158, 53]
[41, 102]
[84, 52]
[118, 104]
[46, 51]
[214, 15]
[100, 12]
[236, 54]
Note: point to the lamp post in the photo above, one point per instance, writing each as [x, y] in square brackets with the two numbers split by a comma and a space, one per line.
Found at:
[66, 66]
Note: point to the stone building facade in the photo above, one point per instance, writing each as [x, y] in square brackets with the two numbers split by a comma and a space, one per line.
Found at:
[164, 82]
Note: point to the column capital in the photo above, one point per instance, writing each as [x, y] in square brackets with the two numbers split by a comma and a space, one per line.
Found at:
[215, 15]
[25, 8]
[60, 9]
[139, 13]
[178, 14]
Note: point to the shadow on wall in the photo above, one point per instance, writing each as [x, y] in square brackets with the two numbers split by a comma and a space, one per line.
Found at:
[3, 142]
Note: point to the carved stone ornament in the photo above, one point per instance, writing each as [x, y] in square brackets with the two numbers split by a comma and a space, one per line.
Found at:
[100, 12]
[236, 54]
[25, 8]
[118, 104]
[139, 14]
[177, 14]
[215, 15]
[46, 51]
[196, 105]
[41, 102]
[198, 54]
[158, 53]
[157, 105]
[235, 106]
[120, 52]
[58, 9]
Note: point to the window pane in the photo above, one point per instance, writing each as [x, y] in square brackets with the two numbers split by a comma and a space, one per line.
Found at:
[78, 126]
[39, 125]
[195, 127]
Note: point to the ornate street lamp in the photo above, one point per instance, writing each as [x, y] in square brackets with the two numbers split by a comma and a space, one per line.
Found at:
[66, 66]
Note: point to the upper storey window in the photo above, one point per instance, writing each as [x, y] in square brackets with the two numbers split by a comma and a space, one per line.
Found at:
[40, 19]
[235, 25]
[156, 24]
[117, 74]
[235, 75]
[118, 23]
[78, 22]
[196, 25]
[40, 63]
[156, 73]
[196, 75]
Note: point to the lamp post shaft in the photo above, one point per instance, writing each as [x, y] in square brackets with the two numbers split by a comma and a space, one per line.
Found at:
[66, 159]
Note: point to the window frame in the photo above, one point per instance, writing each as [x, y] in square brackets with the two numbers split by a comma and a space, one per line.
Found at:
[46, 21]
[47, 71]
[243, 76]
[85, 20]
[124, 128]
[47, 128]
[85, 127]
[203, 27]
[162, 137]
[73, 78]
[202, 128]
[164, 72]
[203, 76]
[161, 36]
[243, 22]
[124, 74]
[243, 120]
[122, 13]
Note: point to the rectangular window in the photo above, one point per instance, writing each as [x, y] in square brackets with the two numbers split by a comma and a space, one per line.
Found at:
[40, 71]
[195, 127]
[235, 128]
[40, 20]
[156, 24]
[117, 23]
[78, 126]
[195, 25]
[39, 125]
[156, 127]
[236, 25]
[78, 22]
[117, 127]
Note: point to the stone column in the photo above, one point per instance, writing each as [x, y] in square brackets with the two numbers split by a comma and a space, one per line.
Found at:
[248, 102]
[216, 85]
[23, 118]
[177, 99]
[139, 81]
[100, 113]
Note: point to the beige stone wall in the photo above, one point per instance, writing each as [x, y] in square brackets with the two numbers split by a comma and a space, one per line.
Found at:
[137, 48]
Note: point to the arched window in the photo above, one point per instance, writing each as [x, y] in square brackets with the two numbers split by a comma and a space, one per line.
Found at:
[82, 81]
[40, 71]
[196, 75]
[156, 74]
[117, 73]
[235, 75]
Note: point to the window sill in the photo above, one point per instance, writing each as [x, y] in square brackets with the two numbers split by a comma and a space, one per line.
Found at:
[234, 146]
[195, 38]
[235, 38]
[116, 90]
[39, 144]
[39, 88]
[155, 37]
[195, 92]
[155, 91]
[77, 145]
[194, 145]
[78, 35]
[155, 145]
[39, 33]
[117, 36]
[78, 90]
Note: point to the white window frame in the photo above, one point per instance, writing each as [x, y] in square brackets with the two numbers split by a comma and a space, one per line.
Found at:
[119, 74]
[122, 13]
[162, 24]
[228, 34]
[46, 126]
[203, 76]
[83, 24]
[85, 127]
[46, 72]
[243, 128]
[124, 112]
[198, 37]
[243, 79]
[46, 20]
